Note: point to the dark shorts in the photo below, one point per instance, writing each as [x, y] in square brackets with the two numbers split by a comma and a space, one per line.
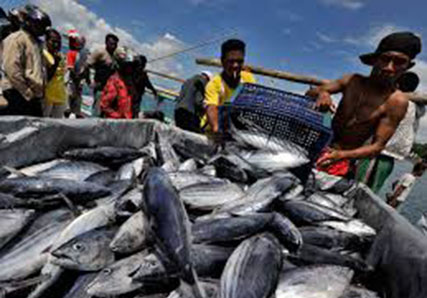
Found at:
[136, 107]
[187, 120]
[18, 105]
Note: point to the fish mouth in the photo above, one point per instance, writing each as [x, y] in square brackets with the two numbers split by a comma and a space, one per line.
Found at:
[60, 255]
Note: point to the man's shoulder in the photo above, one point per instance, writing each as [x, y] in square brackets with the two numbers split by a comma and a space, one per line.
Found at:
[247, 77]
[398, 99]
[18, 36]
[215, 81]
[354, 78]
[98, 52]
[408, 178]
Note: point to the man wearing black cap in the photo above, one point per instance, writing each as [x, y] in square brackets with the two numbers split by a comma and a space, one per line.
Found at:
[24, 74]
[371, 107]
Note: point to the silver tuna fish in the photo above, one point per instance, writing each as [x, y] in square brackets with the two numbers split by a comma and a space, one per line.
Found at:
[253, 268]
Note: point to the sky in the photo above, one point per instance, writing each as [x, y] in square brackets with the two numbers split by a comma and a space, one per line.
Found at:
[321, 38]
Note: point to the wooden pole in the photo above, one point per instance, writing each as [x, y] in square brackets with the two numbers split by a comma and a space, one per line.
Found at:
[415, 97]
[165, 91]
[163, 75]
[268, 72]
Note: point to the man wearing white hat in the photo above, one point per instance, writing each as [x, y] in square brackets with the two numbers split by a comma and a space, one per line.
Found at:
[189, 108]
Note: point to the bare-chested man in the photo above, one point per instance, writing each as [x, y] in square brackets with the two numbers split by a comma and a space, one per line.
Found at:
[371, 107]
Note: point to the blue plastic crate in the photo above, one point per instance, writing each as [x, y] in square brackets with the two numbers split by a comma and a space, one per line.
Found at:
[281, 114]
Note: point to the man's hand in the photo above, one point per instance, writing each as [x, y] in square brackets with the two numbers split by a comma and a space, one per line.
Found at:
[324, 103]
[328, 158]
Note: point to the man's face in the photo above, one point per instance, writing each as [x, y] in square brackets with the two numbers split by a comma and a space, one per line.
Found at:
[53, 44]
[391, 65]
[36, 28]
[233, 63]
[111, 45]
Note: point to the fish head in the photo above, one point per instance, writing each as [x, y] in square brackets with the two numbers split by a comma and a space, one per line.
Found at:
[70, 254]
[114, 280]
[105, 283]
[84, 253]
[151, 269]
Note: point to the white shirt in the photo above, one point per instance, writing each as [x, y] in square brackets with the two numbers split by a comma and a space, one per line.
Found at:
[400, 144]
[407, 181]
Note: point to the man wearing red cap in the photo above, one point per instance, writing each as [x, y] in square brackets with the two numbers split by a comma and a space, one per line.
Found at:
[78, 71]
[371, 107]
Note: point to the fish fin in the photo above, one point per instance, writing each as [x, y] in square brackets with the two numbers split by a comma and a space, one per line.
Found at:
[194, 290]
[16, 172]
[70, 205]
[47, 249]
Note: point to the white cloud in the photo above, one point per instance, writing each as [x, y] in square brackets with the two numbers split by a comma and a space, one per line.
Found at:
[286, 31]
[67, 14]
[374, 35]
[348, 4]
[325, 38]
[197, 2]
[379, 32]
[289, 15]
[420, 69]
[137, 23]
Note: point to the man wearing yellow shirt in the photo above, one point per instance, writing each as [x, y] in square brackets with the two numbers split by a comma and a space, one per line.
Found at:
[220, 89]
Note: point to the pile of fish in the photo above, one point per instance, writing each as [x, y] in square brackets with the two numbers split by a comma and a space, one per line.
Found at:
[168, 221]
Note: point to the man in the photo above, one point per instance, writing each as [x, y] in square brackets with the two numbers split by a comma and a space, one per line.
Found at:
[55, 96]
[102, 61]
[220, 89]
[141, 81]
[78, 71]
[375, 171]
[189, 106]
[116, 98]
[371, 108]
[24, 76]
[403, 186]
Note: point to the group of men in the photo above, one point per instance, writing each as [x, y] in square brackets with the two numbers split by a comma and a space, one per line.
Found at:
[38, 80]
[372, 110]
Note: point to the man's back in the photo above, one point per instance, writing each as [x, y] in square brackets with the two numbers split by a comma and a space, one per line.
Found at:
[192, 94]
[102, 62]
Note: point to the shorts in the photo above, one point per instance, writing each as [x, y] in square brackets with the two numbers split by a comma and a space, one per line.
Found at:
[343, 167]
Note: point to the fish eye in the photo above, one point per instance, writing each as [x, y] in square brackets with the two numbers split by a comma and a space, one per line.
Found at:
[78, 246]
[107, 271]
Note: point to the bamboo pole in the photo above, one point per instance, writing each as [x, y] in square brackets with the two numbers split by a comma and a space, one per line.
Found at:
[268, 72]
[165, 91]
[173, 78]
[416, 97]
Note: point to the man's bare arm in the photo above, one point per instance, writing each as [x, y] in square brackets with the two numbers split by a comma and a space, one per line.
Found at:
[323, 92]
[212, 114]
